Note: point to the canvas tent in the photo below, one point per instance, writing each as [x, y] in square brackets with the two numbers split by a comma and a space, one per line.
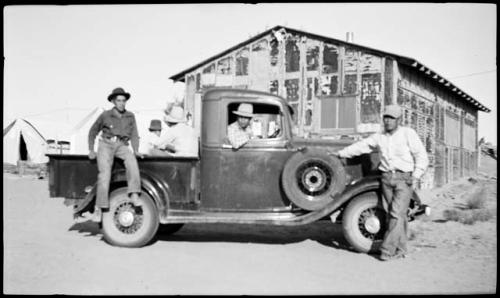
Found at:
[78, 135]
[22, 141]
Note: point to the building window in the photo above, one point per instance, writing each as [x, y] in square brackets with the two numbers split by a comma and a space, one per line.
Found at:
[261, 45]
[312, 57]
[370, 98]
[330, 59]
[274, 52]
[225, 65]
[329, 85]
[292, 89]
[292, 56]
[350, 84]
[274, 87]
[242, 62]
[209, 69]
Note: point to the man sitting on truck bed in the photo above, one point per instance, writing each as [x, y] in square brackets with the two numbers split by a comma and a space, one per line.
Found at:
[179, 138]
[118, 126]
[240, 131]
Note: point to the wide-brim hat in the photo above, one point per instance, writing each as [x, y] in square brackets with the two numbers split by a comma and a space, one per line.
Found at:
[175, 115]
[118, 91]
[393, 111]
[244, 110]
[155, 125]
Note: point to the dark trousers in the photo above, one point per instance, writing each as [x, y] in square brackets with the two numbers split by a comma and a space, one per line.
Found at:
[106, 152]
[397, 192]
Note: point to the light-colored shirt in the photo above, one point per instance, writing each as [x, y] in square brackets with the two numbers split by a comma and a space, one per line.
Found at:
[151, 142]
[403, 150]
[182, 137]
[238, 136]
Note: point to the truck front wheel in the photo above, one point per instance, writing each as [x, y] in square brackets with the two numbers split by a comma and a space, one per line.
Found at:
[363, 222]
[127, 225]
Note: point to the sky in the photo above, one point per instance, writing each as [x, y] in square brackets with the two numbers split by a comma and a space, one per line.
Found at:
[61, 62]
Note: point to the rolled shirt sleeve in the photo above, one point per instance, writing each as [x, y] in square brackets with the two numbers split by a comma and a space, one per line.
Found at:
[363, 146]
[418, 152]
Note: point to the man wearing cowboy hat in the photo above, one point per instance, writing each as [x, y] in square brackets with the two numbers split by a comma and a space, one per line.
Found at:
[118, 127]
[179, 138]
[240, 131]
[403, 161]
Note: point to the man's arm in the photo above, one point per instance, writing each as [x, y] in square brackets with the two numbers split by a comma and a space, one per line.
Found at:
[361, 147]
[134, 137]
[94, 130]
[418, 152]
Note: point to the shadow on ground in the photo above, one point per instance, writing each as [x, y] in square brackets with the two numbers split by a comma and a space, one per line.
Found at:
[88, 228]
[323, 232]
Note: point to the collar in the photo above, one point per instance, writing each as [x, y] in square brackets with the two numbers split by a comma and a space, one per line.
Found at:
[115, 113]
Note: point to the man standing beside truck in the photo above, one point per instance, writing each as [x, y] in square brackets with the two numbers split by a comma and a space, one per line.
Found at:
[403, 161]
[118, 127]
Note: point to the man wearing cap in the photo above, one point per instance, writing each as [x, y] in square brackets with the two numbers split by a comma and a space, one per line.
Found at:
[118, 127]
[240, 131]
[179, 138]
[153, 138]
[403, 161]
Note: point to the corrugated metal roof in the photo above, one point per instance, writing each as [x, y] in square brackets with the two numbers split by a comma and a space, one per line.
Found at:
[401, 59]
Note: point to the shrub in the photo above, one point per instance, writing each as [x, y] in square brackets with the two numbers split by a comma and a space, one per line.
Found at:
[468, 217]
[477, 200]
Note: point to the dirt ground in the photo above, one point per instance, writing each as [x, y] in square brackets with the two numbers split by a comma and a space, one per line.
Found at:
[46, 252]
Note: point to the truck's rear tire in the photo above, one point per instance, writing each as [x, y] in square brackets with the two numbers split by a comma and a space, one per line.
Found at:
[127, 225]
[312, 178]
[363, 222]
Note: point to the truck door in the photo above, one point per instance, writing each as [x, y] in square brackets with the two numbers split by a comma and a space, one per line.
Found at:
[249, 178]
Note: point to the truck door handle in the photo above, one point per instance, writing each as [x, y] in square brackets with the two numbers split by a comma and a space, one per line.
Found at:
[226, 146]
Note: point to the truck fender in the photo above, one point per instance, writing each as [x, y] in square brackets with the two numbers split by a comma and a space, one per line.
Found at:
[351, 191]
[160, 192]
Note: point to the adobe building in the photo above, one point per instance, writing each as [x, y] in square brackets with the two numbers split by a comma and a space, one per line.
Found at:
[339, 89]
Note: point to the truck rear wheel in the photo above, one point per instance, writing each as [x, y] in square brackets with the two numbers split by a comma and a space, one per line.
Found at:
[127, 225]
[312, 178]
[363, 222]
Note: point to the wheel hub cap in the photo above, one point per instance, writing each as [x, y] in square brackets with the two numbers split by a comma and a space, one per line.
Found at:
[313, 179]
[372, 224]
[126, 218]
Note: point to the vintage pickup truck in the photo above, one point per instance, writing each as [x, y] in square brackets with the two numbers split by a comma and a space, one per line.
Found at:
[275, 179]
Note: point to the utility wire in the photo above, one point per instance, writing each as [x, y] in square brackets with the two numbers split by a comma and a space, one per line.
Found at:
[473, 74]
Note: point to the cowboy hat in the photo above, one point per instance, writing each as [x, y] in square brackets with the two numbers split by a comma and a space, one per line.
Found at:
[176, 115]
[155, 125]
[118, 91]
[244, 110]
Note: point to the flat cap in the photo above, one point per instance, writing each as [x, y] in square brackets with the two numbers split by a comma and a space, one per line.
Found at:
[393, 111]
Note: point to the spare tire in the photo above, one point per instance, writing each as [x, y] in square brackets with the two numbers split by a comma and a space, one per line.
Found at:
[312, 178]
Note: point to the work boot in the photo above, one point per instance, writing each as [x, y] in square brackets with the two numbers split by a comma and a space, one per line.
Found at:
[97, 215]
[135, 199]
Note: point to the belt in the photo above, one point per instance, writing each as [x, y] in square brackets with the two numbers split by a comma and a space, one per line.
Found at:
[117, 138]
[396, 171]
